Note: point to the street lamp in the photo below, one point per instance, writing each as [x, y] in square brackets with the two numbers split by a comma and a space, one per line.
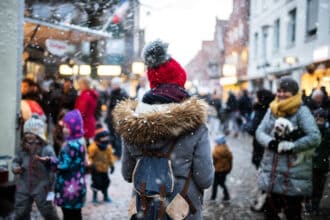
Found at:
[108, 70]
[85, 70]
[68, 70]
[65, 70]
[138, 68]
[291, 60]
[229, 70]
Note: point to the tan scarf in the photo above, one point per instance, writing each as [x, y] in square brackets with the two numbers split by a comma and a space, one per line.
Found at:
[286, 107]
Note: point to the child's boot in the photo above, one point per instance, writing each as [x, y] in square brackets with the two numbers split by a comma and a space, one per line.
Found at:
[106, 198]
[94, 196]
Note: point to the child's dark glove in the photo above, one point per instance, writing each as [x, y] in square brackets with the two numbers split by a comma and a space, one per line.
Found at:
[18, 170]
[112, 169]
[273, 145]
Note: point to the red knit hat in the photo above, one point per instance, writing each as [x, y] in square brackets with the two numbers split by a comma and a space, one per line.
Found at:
[162, 69]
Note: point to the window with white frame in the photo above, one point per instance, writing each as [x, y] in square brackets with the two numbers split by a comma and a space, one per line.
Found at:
[276, 36]
[256, 39]
[291, 32]
[312, 17]
[264, 41]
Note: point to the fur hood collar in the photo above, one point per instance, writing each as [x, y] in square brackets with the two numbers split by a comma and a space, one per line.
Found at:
[144, 127]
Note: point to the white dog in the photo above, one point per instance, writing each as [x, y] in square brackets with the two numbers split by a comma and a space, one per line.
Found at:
[282, 129]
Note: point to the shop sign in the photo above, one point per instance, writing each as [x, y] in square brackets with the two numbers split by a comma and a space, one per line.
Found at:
[321, 53]
[229, 80]
[56, 47]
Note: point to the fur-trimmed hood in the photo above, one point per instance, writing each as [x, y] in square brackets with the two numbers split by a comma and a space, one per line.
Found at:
[139, 128]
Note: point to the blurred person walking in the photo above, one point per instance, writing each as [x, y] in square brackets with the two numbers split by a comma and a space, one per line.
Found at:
[86, 103]
[117, 94]
[69, 96]
[54, 97]
[232, 115]
[141, 89]
[223, 163]
[321, 159]
[58, 137]
[245, 105]
[264, 98]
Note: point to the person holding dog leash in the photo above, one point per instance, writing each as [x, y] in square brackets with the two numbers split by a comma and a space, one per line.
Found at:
[286, 167]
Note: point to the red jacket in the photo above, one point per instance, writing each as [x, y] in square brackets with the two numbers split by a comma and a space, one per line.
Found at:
[86, 103]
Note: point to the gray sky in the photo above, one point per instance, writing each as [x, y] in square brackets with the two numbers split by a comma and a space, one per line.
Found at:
[182, 23]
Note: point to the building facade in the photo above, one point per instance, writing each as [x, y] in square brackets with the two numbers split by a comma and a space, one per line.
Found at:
[205, 68]
[234, 70]
[289, 37]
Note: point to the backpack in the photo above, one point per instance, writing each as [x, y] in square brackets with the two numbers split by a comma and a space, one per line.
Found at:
[153, 181]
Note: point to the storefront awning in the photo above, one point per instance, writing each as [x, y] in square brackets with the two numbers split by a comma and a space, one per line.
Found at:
[252, 77]
[37, 31]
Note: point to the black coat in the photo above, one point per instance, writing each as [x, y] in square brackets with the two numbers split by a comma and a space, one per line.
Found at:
[259, 110]
[115, 97]
[232, 103]
[322, 153]
[245, 105]
[68, 99]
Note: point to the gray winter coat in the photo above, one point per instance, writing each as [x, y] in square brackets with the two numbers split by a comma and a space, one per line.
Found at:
[34, 184]
[291, 177]
[37, 177]
[157, 129]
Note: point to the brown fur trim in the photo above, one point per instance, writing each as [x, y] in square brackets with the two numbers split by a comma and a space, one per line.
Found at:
[149, 128]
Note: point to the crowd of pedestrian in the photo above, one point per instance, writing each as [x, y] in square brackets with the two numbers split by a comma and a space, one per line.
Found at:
[292, 168]
[63, 136]
[163, 142]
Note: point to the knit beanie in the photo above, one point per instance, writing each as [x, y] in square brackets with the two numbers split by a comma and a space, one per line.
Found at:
[321, 113]
[101, 135]
[220, 139]
[162, 68]
[288, 84]
[35, 126]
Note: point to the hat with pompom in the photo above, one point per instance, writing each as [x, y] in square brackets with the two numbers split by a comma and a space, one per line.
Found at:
[35, 125]
[162, 68]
